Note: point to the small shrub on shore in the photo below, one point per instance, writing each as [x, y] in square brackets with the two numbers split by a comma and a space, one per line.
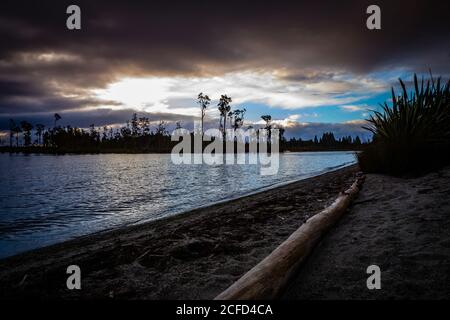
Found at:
[412, 136]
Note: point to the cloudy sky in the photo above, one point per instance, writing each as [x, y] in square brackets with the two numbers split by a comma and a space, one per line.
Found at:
[312, 65]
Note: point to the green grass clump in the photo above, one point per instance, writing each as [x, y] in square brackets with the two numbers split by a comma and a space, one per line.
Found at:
[412, 136]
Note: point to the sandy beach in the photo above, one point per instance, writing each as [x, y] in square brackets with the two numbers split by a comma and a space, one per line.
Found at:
[401, 225]
[195, 255]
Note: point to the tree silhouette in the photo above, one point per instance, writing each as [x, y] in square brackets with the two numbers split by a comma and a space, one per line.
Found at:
[281, 134]
[161, 129]
[12, 126]
[144, 125]
[105, 133]
[39, 130]
[203, 101]
[238, 118]
[268, 119]
[57, 117]
[230, 117]
[15, 130]
[26, 128]
[134, 125]
[328, 139]
[224, 107]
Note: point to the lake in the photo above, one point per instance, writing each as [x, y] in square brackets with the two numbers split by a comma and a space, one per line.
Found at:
[45, 199]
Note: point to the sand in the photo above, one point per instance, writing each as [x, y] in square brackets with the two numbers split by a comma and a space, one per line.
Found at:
[401, 225]
[195, 255]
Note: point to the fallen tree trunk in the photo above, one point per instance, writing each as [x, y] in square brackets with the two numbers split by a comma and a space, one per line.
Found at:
[268, 278]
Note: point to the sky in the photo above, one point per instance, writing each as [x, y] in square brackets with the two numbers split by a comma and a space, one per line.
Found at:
[312, 65]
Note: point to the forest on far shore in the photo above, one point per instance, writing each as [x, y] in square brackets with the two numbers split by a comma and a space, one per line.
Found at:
[138, 137]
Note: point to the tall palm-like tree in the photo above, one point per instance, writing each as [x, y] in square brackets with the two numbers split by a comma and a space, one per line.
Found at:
[238, 118]
[224, 107]
[203, 100]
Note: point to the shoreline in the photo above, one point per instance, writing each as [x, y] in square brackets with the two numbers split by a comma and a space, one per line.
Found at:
[244, 195]
[51, 151]
[208, 247]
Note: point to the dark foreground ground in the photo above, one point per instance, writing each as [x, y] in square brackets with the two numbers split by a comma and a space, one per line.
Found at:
[192, 256]
[401, 225]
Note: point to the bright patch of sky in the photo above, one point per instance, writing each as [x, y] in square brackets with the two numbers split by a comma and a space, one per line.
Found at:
[340, 98]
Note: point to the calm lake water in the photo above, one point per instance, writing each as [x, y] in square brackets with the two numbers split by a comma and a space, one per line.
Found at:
[45, 199]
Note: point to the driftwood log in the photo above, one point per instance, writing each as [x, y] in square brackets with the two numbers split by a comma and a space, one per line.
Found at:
[268, 278]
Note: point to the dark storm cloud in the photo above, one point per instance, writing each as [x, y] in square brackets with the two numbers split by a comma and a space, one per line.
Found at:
[184, 36]
[19, 105]
[26, 96]
[204, 37]
[18, 88]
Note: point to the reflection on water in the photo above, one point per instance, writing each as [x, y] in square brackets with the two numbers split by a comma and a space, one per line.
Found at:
[45, 199]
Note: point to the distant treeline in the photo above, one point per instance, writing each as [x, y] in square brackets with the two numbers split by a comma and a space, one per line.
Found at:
[137, 136]
[326, 142]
